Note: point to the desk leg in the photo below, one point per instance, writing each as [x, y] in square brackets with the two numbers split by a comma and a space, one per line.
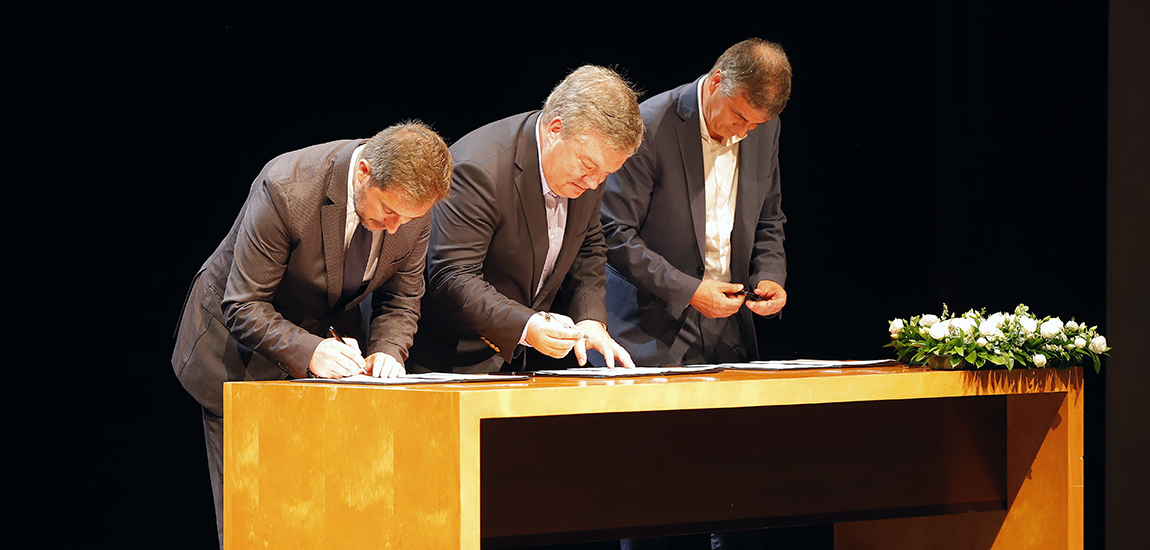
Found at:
[306, 470]
[1044, 489]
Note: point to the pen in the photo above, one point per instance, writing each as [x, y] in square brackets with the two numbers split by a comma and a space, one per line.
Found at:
[547, 315]
[339, 338]
[750, 294]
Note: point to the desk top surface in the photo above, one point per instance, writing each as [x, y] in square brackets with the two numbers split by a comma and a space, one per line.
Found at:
[729, 388]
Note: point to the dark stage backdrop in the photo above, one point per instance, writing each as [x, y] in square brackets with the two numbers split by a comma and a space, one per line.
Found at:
[950, 152]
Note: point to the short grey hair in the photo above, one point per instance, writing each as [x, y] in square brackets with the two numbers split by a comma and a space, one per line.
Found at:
[595, 100]
[759, 69]
[411, 160]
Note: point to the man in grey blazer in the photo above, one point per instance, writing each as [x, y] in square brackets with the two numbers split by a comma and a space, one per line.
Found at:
[322, 229]
[516, 257]
[693, 222]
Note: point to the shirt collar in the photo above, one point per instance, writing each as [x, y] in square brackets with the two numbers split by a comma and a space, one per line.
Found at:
[351, 181]
[539, 153]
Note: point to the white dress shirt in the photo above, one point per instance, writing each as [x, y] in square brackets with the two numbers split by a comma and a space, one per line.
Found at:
[721, 170]
[556, 208]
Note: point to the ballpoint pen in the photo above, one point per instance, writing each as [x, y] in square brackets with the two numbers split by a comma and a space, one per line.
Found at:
[339, 338]
[547, 315]
[750, 294]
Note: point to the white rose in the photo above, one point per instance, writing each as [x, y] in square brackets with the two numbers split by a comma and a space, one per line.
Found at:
[1098, 344]
[1071, 325]
[939, 330]
[982, 342]
[988, 328]
[1051, 328]
[1039, 360]
[996, 320]
[1079, 342]
[963, 324]
[928, 320]
[1028, 324]
[895, 326]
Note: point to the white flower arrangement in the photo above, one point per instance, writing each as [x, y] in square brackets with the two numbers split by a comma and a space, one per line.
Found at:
[1003, 339]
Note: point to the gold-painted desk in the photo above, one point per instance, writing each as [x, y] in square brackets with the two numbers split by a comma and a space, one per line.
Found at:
[896, 457]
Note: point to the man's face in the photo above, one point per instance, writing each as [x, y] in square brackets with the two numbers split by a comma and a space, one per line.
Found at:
[379, 209]
[575, 165]
[728, 116]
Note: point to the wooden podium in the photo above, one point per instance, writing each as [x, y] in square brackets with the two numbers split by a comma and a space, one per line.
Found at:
[895, 457]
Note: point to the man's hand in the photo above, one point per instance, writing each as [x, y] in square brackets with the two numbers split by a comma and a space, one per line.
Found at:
[716, 299]
[774, 298]
[598, 339]
[382, 365]
[333, 359]
[552, 334]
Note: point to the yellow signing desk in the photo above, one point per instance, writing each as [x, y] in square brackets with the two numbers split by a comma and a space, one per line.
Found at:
[895, 457]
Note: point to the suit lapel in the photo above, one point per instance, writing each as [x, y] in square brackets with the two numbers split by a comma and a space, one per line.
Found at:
[529, 187]
[691, 151]
[333, 216]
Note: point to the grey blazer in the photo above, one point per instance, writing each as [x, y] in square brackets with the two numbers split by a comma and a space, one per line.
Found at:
[654, 222]
[260, 305]
[487, 249]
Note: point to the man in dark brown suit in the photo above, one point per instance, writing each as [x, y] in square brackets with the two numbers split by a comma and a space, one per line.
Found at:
[322, 229]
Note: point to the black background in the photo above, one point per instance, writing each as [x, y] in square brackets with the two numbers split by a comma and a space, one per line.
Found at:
[948, 152]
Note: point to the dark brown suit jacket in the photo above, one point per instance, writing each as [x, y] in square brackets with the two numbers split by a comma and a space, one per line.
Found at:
[262, 302]
[487, 249]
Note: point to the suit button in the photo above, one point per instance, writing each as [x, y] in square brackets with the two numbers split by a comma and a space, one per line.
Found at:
[701, 271]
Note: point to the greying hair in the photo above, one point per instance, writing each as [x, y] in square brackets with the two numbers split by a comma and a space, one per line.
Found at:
[410, 159]
[759, 69]
[595, 100]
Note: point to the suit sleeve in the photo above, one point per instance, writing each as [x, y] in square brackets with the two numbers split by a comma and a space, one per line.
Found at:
[625, 209]
[263, 246]
[462, 229]
[395, 304]
[768, 259]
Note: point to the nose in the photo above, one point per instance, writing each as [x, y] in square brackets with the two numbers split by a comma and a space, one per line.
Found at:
[745, 128]
[592, 181]
[392, 223]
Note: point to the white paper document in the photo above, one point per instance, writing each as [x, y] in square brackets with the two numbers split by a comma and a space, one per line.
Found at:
[421, 378]
[604, 372]
[791, 364]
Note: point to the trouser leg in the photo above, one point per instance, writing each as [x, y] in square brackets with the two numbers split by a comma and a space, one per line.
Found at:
[214, 438]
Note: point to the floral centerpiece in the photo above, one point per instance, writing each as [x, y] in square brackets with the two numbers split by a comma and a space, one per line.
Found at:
[1003, 339]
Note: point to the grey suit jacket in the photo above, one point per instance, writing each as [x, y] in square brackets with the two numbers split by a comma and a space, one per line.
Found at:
[654, 221]
[487, 249]
[262, 302]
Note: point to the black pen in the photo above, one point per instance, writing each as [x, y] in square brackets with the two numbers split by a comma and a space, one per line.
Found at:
[339, 338]
[750, 294]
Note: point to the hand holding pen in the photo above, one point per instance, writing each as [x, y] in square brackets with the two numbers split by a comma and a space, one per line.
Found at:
[553, 334]
[337, 357]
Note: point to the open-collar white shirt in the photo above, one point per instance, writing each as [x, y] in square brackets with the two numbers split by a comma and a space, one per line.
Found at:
[721, 171]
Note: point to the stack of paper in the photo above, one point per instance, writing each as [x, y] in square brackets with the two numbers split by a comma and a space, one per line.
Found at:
[421, 378]
[604, 372]
[808, 364]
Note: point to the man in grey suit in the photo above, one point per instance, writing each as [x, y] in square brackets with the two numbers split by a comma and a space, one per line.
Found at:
[693, 222]
[322, 229]
[516, 257]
